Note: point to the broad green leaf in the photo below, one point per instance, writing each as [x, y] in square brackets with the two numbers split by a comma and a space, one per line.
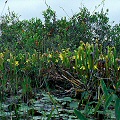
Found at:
[104, 88]
[80, 115]
[109, 99]
[117, 109]
[67, 99]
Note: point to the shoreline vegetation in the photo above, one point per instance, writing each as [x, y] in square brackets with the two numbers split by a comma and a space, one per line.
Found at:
[60, 69]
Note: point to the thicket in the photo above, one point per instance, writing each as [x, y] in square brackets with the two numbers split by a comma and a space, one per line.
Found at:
[81, 53]
[54, 34]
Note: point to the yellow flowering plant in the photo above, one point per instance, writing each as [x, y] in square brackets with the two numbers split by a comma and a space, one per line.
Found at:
[1, 60]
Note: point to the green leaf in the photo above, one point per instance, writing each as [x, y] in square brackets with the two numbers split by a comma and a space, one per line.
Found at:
[79, 115]
[67, 99]
[50, 115]
[98, 105]
[104, 88]
[118, 85]
[109, 99]
[117, 109]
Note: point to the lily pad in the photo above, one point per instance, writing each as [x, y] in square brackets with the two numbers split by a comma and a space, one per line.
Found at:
[74, 105]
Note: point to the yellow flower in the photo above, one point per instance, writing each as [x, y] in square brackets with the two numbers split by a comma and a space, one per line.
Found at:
[83, 68]
[118, 68]
[61, 56]
[50, 55]
[74, 67]
[56, 60]
[73, 57]
[16, 63]
[88, 66]
[106, 57]
[95, 67]
[1, 55]
[8, 60]
[48, 61]
[27, 60]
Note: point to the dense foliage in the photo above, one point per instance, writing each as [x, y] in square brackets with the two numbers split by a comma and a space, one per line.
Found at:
[55, 34]
[80, 54]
